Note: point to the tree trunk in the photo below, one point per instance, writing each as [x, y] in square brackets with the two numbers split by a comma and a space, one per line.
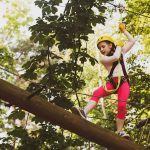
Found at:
[58, 116]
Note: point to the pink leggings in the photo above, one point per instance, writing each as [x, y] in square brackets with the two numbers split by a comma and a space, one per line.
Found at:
[123, 94]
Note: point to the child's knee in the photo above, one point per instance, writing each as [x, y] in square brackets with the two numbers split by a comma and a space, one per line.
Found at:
[95, 96]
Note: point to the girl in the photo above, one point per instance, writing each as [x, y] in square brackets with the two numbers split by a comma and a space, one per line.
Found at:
[112, 58]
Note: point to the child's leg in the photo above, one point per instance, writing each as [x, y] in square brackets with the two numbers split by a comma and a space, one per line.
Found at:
[91, 105]
[97, 94]
[119, 124]
[123, 94]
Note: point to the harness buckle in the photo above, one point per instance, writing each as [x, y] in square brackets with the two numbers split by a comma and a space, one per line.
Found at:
[123, 78]
[107, 79]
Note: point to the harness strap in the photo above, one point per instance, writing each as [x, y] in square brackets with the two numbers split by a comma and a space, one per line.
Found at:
[124, 69]
[112, 69]
[123, 79]
[113, 83]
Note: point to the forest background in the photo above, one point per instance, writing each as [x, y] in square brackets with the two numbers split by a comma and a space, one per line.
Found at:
[53, 43]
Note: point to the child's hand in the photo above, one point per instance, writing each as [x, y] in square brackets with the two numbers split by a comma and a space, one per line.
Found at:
[119, 43]
[122, 27]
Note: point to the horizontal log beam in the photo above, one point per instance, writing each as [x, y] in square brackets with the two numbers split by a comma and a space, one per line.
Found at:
[58, 116]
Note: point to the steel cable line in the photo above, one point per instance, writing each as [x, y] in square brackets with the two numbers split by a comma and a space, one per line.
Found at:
[42, 86]
[118, 6]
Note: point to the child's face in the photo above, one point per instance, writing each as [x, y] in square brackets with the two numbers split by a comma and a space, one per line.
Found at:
[104, 47]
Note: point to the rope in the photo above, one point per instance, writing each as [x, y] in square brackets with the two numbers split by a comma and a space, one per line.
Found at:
[148, 138]
[76, 93]
[26, 123]
[75, 75]
[143, 131]
[119, 80]
[56, 89]
[118, 6]
[4, 69]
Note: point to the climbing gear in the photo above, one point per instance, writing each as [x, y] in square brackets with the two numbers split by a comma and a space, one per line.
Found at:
[115, 86]
[122, 27]
[121, 79]
[124, 134]
[105, 38]
[78, 111]
[119, 43]
[108, 38]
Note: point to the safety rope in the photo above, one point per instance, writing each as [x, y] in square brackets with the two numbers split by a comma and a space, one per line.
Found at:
[141, 135]
[100, 82]
[118, 6]
[56, 89]
[148, 138]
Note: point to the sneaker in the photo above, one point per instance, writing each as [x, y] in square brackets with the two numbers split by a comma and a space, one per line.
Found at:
[124, 134]
[79, 112]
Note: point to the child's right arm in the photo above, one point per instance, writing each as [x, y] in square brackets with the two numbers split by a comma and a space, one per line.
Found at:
[131, 40]
[113, 58]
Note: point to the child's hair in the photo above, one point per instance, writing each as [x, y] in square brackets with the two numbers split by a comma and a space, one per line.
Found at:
[112, 49]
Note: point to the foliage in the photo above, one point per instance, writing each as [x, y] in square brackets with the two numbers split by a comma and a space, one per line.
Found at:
[60, 34]
[16, 18]
[6, 57]
[139, 101]
[138, 24]
[67, 31]
[138, 19]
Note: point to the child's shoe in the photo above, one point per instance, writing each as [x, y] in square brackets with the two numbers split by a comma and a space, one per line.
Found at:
[124, 134]
[78, 111]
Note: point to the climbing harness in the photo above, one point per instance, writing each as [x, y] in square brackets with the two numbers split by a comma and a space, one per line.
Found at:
[121, 79]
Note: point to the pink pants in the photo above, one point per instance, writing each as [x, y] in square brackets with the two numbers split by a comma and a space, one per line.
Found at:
[123, 94]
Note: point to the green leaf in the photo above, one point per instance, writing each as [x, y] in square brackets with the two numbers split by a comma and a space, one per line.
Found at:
[17, 114]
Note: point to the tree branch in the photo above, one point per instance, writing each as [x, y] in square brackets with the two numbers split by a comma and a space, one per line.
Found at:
[58, 116]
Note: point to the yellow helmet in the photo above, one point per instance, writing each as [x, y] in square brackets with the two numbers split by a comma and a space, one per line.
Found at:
[105, 38]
